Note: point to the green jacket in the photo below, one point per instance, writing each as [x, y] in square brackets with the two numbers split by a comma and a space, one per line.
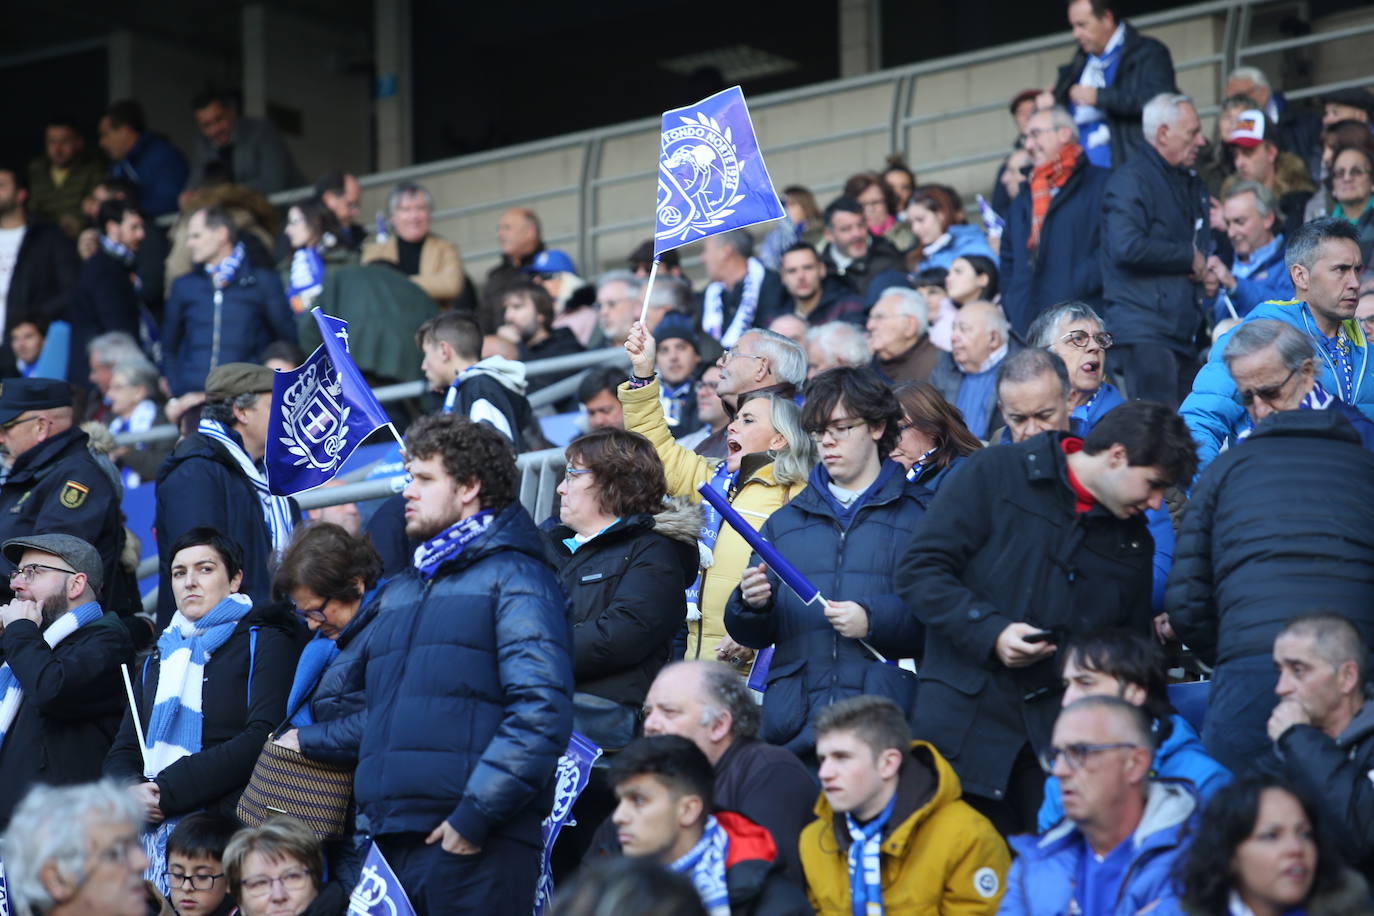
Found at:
[383, 309]
[62, 204]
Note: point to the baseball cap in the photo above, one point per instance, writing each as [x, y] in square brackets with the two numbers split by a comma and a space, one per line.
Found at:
[18, 395]
[550, 261]
[1251, 126]
[233, 379]
[73, 551]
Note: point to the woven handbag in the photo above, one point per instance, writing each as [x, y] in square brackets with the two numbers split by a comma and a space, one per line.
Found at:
[287, 782]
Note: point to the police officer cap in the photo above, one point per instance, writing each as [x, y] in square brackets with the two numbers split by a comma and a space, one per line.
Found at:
[18, 395]
[233, 379]
[73, 551]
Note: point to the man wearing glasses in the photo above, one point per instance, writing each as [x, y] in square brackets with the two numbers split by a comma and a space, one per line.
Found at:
[1122, 835]
[1243, 566]
[54, 483]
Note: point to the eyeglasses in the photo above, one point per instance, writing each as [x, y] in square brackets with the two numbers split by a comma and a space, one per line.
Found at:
[1268, 393]
[838, 431]
[311, 613]
[1080, 339]
[1354, 172]
[261, 885]
[119, 852]
[13, 423]
[178, 879]
[31, 572]
[1075, 755]
[570, 471]
[730, 353]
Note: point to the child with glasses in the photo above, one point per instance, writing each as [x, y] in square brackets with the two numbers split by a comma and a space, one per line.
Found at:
[195, 865]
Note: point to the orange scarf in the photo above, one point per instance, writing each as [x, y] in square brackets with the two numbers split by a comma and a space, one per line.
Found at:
[1044, 179]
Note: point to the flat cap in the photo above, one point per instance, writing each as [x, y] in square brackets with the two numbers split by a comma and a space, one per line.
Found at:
[233, 379]
[78, 554]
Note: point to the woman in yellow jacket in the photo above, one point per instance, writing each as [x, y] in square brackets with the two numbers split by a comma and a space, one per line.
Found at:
[768, 462]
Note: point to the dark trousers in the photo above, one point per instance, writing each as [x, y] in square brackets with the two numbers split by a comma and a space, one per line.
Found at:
[499, 880]
[1153, 372]
[1017, 811]
[1235, 730]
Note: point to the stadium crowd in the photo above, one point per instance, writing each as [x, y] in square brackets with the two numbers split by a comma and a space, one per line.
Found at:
[1045, 472]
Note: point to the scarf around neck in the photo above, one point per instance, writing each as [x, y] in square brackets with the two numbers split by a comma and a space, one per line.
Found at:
[119, 252]
[865, 862]
[722, 481]
[223, 273]
[11, 691]
[713, 306]
[449, 543]
[704, 864]
[1045, 180]
[276, 510]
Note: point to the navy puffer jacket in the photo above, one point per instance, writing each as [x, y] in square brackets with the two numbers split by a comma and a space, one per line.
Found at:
[813, 665]
[469, 691]
[338, 703]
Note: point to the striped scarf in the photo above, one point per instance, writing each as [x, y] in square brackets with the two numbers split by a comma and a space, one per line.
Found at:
[865, 862]
[223, 273]
[713, 306]
[449, 543]
[174, 728]
[704, 864]
[11, 691]
[1044, 181]
[276, 510]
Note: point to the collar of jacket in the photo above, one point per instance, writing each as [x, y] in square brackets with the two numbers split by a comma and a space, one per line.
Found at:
[1045, 462]
[47, 451]
[1323, 424]
[1360, 727]
[925, 784]
[367, 611]
[892, 486]
[751, 467]
[1169, 806]
[1129, 42]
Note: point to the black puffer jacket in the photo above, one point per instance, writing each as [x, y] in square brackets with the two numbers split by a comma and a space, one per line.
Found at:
[627, 587]
[1280, 524]
[469, 691]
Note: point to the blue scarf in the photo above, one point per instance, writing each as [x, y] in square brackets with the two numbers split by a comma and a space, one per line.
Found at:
[704, 863]
[11, 691]
[119, 252]
[1337, 350]
[675, 400]
[721, 481]
[307, 278]
[865, 862]
[223, 273]
[276, 510]
[317, 655]
[449, 543]
[1099, 72]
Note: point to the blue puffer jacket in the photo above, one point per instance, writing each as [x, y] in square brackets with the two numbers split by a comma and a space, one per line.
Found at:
[1181, 756]
[963, 239]
[813, 666]
[1211, 411]
[469, 691]
[1044, 877]
[254, 313]
[339, 701]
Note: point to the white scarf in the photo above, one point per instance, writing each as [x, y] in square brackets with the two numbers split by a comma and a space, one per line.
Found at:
[61, 628]
[276, 510]
[713, 307]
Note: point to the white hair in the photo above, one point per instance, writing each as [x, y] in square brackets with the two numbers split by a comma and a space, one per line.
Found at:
[1160, 110]
[784, 355]
[1060, 117]
[1252, 74]
[910, 303]
[841, 343]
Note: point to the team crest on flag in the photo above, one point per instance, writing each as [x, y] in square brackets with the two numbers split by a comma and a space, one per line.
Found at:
[314, 423]
[73, 494]
[711, 176]
[377, 892]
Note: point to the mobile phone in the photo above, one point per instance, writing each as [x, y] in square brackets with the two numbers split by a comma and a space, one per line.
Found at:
[1042, 636]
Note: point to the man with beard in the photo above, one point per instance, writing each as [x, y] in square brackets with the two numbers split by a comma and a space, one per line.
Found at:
[529, 325]
[468, 682]
[60, 680]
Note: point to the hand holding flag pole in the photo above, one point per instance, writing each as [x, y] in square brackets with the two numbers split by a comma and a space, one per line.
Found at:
[788, 573]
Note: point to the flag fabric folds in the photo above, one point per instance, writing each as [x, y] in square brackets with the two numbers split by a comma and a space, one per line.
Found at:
[711, 175]
[321, 412]
[574, 770]
[378, 892]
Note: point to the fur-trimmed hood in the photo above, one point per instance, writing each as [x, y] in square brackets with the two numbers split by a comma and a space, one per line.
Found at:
[681, 520]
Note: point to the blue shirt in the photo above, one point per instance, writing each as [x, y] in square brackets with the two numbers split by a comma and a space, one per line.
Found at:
[1099, 880]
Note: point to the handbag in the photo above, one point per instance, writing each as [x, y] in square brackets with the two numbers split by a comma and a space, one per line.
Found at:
[609, 725]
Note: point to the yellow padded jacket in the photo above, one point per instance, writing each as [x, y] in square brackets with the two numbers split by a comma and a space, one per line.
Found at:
[939, 856]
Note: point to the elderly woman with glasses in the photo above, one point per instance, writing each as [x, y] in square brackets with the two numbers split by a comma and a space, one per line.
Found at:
[1074, 332]
[330, 577]
[278, 870]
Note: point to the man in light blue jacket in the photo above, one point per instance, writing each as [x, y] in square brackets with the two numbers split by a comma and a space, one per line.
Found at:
[1324, 262]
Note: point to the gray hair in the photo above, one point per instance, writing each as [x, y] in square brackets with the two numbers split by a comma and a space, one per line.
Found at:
[50, 827]
[910, 303]
[405, 189]
[1128, 714]
[1265, 201]
[1160, 110]
[1031, 363]
[1041, 332]
[1060, 117]
[634, 286]
[738, 239]
[726, 691]
[1335, 638]
[223, 411]
[842, 344]
[1251, 337]
[112, 346]
[671, 293]
[1253, 74]
[793, 464]
[138, 371]
[996, 320]
[784, 354]
[1306, 244]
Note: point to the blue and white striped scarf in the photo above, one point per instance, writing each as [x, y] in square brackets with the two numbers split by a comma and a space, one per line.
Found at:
[174, 728]
[450, 542]
[276, 510]
[223, 273]
[721, 481]
[866, 863]
[11, 691]
[704, 864]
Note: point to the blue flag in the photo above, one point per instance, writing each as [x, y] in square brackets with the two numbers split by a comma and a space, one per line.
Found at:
[321, 412]
[711, 176]
[378, 893]
[574, 769]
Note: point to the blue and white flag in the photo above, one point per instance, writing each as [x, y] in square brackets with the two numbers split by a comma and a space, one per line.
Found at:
[321, 412]
[711, 176]
[574, 769]
[378, 893]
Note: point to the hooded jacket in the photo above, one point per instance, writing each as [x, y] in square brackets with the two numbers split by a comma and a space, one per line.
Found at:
[495, 384]
[756, 496]
[849, 559]
[938, 854]
[753, 874]
[627, 588]
[1044, 878]
[1211, 411]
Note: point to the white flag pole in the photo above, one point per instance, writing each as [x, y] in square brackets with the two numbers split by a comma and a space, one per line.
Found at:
[397, 436]
[133, 712]
[648, 289]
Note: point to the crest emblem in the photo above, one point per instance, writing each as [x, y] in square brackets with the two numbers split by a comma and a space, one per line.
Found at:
[698, 179]
[986, 883]
[314, 419]
[371, 892]
[73, 494]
